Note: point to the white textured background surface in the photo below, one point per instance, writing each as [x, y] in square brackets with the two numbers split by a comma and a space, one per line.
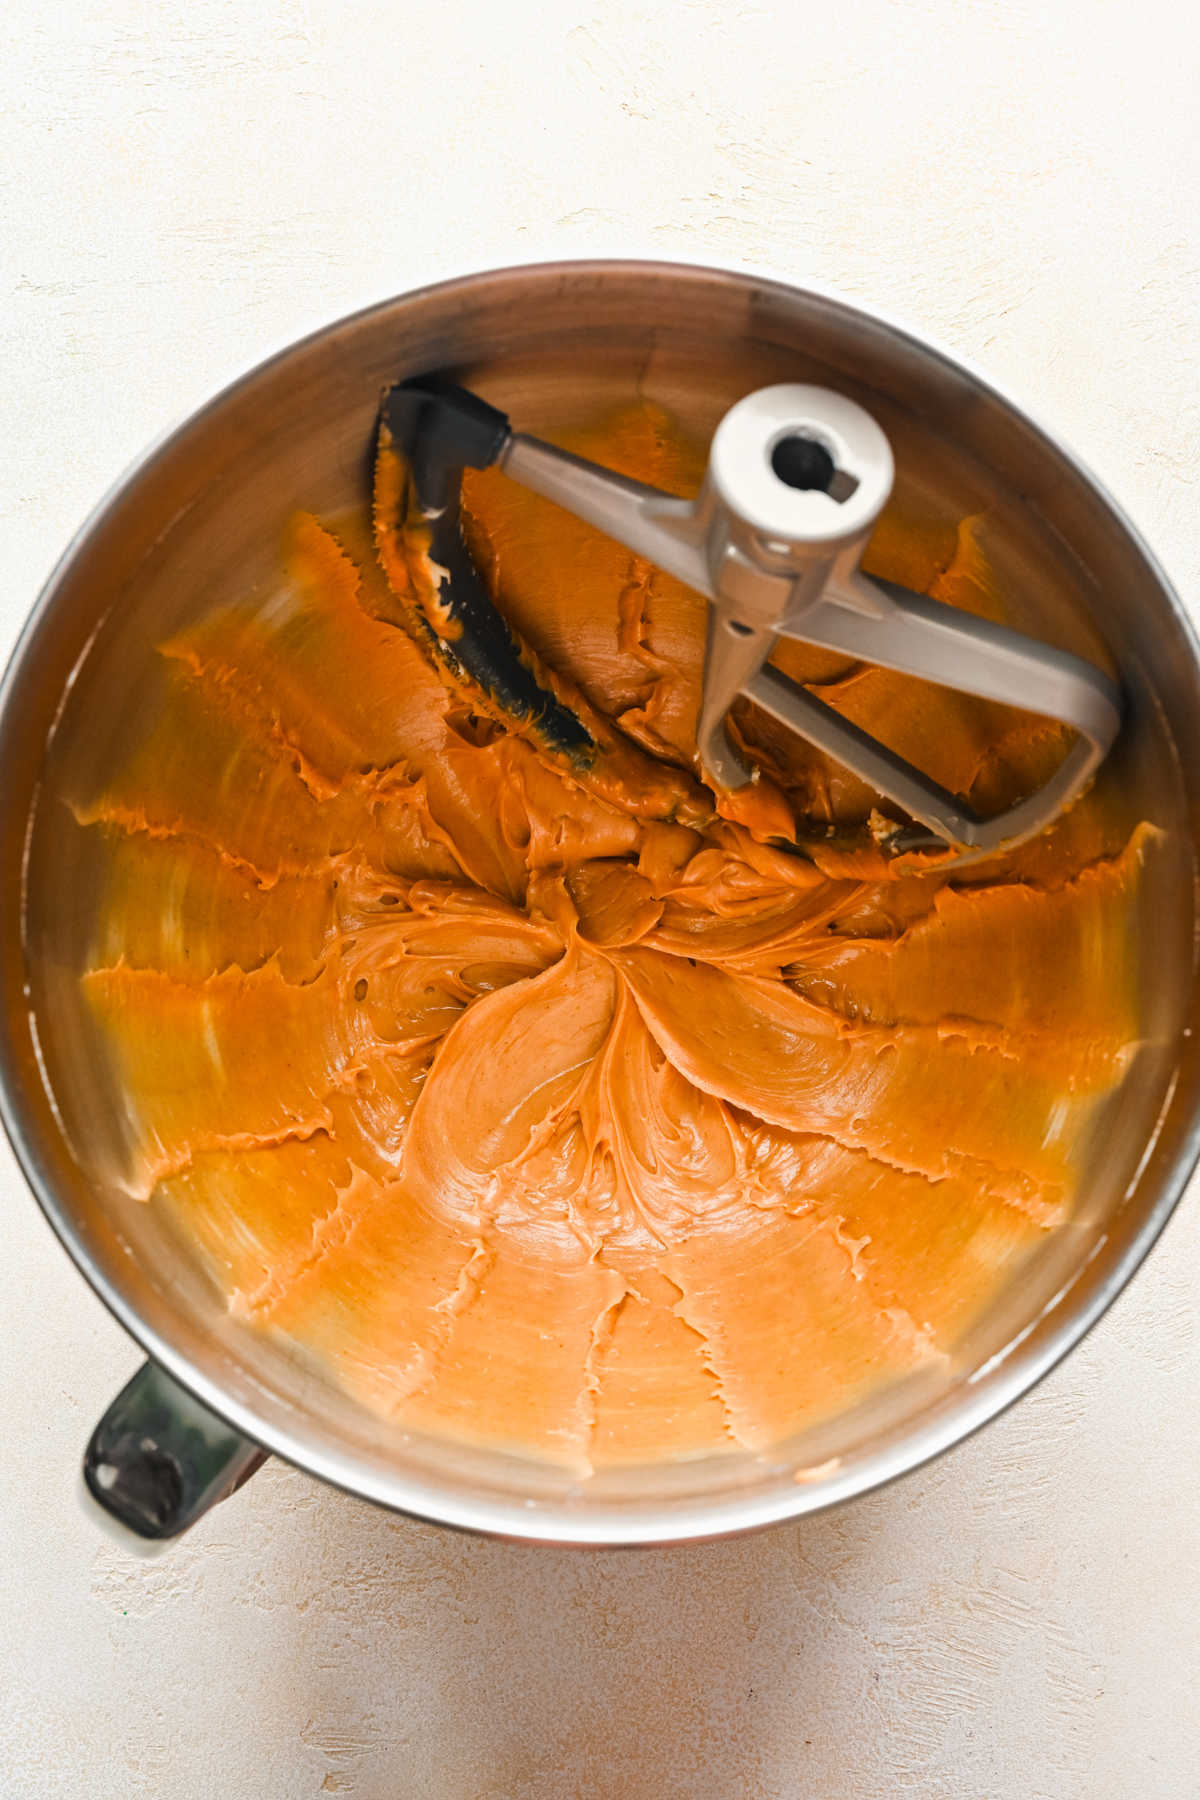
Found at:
[187, 186]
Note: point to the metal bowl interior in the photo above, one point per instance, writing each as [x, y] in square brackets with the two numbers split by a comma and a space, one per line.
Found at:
[199, 520]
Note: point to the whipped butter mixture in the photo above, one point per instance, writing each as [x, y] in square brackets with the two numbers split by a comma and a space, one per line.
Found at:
[548, 1107]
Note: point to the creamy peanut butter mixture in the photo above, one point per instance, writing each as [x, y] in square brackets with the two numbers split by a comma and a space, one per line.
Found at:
[552, 1109]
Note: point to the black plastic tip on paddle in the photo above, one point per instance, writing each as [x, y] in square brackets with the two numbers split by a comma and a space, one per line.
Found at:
[443, 428]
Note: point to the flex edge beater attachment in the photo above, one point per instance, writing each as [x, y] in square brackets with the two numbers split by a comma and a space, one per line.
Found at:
[796, 478]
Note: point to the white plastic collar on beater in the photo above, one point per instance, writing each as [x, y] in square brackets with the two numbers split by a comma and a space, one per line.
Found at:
[744, 478]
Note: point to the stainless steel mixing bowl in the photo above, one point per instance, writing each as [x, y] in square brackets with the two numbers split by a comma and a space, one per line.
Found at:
[199, 520]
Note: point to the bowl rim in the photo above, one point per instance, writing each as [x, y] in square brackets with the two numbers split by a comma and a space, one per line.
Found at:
[1019, 1368]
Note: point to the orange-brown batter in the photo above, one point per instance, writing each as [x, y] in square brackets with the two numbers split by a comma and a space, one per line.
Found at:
[560, 1112]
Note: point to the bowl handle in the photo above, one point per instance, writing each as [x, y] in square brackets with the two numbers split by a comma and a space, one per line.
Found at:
[158, 1459]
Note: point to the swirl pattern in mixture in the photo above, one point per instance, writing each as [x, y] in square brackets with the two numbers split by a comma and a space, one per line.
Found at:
[550, 1117]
